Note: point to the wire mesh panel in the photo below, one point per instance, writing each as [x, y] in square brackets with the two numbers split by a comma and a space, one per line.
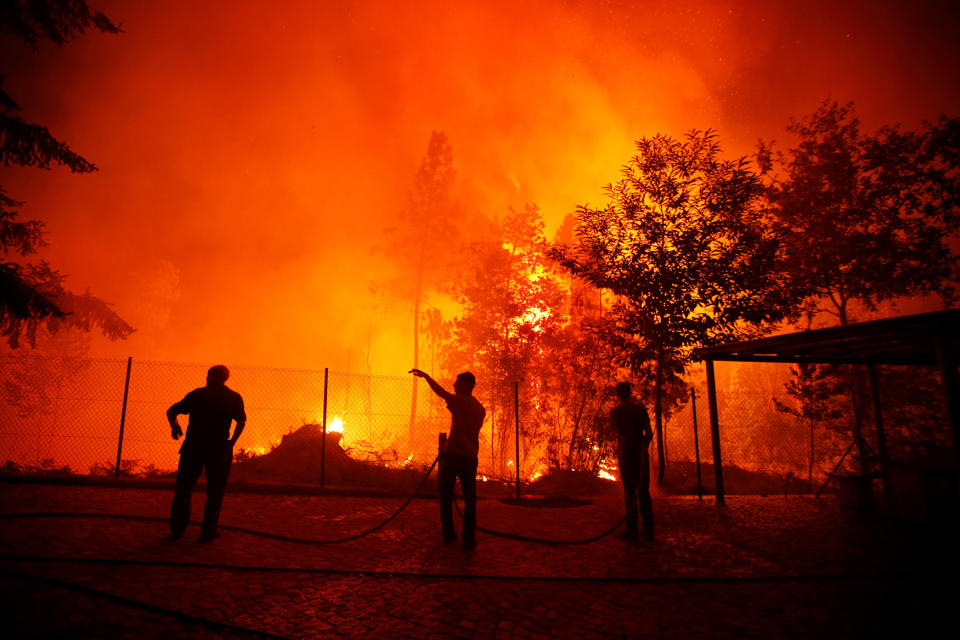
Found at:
[64, 414]
[59, 413]
[757, 436]
[67, 412]
[379, 420]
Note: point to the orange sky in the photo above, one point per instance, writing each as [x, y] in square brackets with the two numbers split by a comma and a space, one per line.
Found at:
[251, 153]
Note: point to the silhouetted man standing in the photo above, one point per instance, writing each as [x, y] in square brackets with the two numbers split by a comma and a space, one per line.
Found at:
[207, 445]
[631, 423]
[460, 457]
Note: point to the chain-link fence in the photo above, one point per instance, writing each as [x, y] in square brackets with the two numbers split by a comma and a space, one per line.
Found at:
[64, 414]
[762, 447]
[767, 445]
[60, 415]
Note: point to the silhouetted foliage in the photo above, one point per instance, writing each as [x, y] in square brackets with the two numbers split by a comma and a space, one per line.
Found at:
[32, 294]
[689, 254]
[867, 218]
[32, 145]
[46, 467]
[53, 20]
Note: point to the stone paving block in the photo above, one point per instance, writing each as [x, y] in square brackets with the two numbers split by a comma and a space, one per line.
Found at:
[748, 538]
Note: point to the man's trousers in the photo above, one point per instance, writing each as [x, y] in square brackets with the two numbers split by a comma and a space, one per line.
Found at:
[465, 467]
[216, 461]
[635, 475]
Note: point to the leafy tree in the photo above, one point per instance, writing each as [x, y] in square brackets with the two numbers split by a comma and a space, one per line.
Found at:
[509, 311]
[867, 218]
[686, 249]
[32, 294]
[815, 390]
[55, 20]
[573, 407]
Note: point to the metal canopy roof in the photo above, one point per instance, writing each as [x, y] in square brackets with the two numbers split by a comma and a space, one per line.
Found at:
[907, 340]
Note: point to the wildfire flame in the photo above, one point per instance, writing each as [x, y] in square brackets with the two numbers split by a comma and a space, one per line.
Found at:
[535, 316]
[607, 471]
[335, 426]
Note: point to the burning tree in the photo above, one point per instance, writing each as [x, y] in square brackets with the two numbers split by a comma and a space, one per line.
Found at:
[520, 322]
[687, 250]
[509, 308]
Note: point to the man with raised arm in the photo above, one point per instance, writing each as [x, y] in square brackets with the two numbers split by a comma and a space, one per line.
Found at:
[207, 445]
[631, 424]
[460, 457]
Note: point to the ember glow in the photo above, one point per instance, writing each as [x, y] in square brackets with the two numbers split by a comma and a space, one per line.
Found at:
[335, 426]
[608, 470]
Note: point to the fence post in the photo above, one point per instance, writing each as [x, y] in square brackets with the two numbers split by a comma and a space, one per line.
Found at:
[715, 431]
[323, 445]
[516, 415]
[123, 418]
[696, 442]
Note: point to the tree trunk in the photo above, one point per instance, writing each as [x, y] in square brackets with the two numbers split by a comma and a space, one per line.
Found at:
[658, 413]
[411, 431]
[856, 394]
[576, 430]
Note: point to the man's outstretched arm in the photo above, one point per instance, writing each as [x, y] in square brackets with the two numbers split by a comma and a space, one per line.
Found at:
[434, 385]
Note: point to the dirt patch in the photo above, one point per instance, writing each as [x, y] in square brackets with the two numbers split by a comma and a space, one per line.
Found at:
[300, 454]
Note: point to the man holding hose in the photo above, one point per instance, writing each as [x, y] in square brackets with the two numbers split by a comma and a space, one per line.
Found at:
[459, 459]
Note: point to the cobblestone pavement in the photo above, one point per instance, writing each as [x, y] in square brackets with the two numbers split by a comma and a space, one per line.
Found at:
[756, 567]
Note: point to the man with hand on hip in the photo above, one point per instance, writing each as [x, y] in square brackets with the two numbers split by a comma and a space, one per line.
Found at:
[207, 445]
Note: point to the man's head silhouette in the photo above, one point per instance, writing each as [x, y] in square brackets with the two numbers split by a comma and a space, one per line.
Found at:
[623, 390]
[217, 375]
[464, 383]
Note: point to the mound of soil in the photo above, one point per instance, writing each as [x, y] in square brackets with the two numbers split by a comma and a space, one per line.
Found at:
[298, 457]
[557, 483]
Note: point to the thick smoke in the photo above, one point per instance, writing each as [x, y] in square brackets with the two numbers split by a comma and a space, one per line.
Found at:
[251, 156]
